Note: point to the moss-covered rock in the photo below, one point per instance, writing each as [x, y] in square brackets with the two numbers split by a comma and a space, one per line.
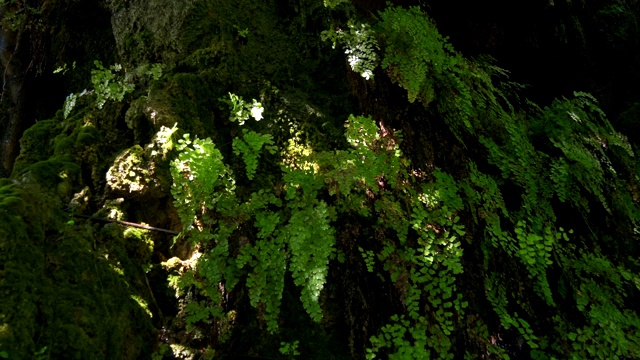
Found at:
[188, 100]
[148, 30]
[36, 144]
[136, 173]
[59, 293]
[56, 174]
[89, 297]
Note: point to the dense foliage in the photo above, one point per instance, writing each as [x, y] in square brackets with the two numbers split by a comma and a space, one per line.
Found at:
[460, 221]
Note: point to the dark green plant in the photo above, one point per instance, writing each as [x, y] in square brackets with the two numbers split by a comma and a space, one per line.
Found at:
[530, 163]
[294, 231]
[112, 84]
[567, 153]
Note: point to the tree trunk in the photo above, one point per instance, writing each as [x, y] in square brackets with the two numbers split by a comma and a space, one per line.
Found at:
[13, 111]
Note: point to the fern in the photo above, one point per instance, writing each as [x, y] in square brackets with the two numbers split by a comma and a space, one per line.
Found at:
[266, 281]
[198, 173]
[310, 239]
[249, 147]
[359, 42]
[565, 153]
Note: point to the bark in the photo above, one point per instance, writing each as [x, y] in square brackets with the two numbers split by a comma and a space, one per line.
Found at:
[13, 96]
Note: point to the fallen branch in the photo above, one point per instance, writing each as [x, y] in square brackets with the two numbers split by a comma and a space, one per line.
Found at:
[127, 223]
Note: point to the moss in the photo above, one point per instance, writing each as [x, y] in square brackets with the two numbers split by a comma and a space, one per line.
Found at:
[139, 244]
[84, 285]
[129, 173]
[137, 45]
[59, 141]
[148, 30]
[36, 144]
[12, 203]
[87, 135]
[63, 146]
[138, 121]
[187, 99]
[55, 173]
[58, 291]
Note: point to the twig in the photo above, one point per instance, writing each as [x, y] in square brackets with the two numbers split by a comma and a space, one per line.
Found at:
[127, 223]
